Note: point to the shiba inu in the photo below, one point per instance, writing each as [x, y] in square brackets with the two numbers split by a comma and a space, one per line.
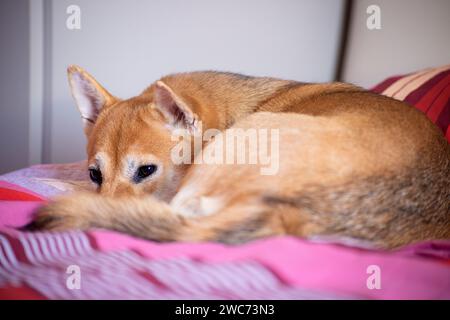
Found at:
[352, 164]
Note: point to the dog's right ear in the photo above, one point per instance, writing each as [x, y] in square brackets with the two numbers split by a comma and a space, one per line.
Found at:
[89, 96]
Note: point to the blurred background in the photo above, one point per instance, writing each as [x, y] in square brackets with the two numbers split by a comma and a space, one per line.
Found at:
[127, 44]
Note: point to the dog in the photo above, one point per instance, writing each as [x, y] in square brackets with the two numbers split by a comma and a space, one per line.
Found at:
[352, 164]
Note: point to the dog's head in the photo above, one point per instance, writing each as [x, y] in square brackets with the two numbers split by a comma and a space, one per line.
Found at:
[130, 141]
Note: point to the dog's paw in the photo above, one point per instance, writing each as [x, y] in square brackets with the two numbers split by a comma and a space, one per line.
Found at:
[59, 215]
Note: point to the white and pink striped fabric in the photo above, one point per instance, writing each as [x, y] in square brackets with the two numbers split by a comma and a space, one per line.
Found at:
[35, 265]
[40, 261]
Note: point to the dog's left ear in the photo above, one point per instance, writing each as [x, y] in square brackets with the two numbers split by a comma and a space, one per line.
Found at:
[174, 108]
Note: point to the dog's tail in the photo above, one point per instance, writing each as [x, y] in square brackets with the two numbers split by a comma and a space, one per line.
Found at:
[151, 219]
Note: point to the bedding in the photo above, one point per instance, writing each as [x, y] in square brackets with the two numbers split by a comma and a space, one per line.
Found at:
[427, 90]
[117, 266]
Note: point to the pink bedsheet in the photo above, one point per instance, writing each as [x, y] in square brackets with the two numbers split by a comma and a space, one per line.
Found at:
[117, 266]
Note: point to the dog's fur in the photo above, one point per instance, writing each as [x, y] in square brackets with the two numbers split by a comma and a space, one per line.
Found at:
[353, 164]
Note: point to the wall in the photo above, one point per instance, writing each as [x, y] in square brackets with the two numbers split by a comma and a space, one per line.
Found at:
[414, 34]
[127, 45]
[14, 85]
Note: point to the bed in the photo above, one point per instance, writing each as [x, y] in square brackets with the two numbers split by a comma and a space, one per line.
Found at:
[117, 266]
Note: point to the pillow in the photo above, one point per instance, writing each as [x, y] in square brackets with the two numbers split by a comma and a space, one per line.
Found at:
[428, 90]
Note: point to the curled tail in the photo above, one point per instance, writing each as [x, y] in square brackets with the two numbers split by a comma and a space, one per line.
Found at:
[150, 219]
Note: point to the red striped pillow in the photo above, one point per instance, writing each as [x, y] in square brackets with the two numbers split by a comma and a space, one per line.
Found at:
[428, 90]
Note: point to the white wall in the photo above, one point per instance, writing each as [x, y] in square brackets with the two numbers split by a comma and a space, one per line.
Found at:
[128, 44]
[14, 75]
[414, 34]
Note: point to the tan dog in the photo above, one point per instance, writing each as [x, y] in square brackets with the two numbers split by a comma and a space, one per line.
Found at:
[352, 164]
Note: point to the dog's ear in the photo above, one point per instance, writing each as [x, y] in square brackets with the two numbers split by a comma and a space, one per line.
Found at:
[174, 108]
[89, 96]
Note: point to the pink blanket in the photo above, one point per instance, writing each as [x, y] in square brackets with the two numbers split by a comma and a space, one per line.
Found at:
[117, 266]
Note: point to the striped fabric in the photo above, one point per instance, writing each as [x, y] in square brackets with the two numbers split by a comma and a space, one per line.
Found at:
[428, 90]
[40, 261]
[116, 266]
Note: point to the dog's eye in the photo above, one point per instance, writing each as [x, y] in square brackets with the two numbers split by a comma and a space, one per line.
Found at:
[95, 175]
[145, 171]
